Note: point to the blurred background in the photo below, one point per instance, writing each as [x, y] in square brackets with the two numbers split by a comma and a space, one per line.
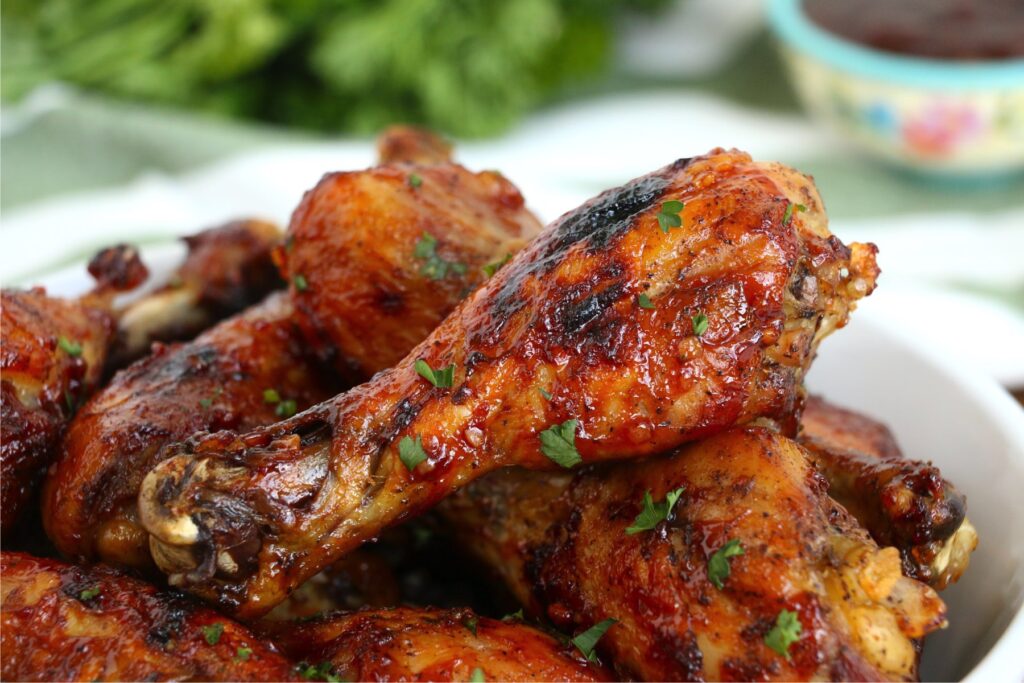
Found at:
[143, 119]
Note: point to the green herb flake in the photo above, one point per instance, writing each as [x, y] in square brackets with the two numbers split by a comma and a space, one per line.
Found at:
[213, 632]
[558, 443]
[300, 282]
[89, 594]
[645, 301]
[718, 563]
[286, 408]
[324, 671]
[411, 452]
[242, 654]
[69, 399]
[788, 215]
[477, 676]
[669, 215]
[653, 513]
[471, 623]
[492, 268]
[785, 632]
[587, 641]
[434, 267]
[205, 403]
[514, 616]
[72, 348]
[415, 180]
[439, 378]
[700, 324]
[545, 393]
[271, 396]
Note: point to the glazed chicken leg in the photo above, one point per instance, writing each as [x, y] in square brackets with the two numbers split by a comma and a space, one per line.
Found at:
[555, 361]
[569, 548]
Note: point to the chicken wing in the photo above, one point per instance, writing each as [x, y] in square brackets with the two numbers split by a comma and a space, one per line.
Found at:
[902, 503]
[52, 355]
[61, 622]
[754, 573]
[555, 359]
[413, 644]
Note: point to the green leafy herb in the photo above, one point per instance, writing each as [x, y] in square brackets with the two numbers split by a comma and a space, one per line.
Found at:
[545, 393]
[242, 654]
[785, 632]
[411, 452]
[558, 443]
[205, 403]
[213, 632]
[645, 301]
[324, 671]
[788, 215]
[439, 378]
[471, 623]
[517, 615]
[72, 348]
[492, 268]
[89, 593]
[587, 641]
[669, 215]
[477, 676]
[700, 324]
[718, 563]
[434, 267]
[286, 408]
[300, 282]
[271, 396]
[415, 180]
[652, 513]
[69, 399]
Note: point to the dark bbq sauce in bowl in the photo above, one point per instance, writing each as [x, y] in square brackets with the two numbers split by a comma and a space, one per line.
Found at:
[967, 30]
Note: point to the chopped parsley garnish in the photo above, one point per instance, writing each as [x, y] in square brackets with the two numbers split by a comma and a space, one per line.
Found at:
[700, 324]
[434, 267]
[645, 301]
[652, 513]
[213, 632]
[785, 632]
[415, 180]
[545, 393]
[718, 563]
[669, 215]
[205, 403]
[492, 268]
[788, 215]
[89, 593]
[558, 443]
[518, 614]
[72, 348]
[477, 676]
[587, 641]
[471, 623]
[439, 378]
[242, 654]
[271, 396]
[411, 452]
[286, 408]
[300, 282]
[324, 671]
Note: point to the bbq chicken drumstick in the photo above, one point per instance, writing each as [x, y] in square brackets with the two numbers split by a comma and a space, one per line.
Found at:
[673, 307]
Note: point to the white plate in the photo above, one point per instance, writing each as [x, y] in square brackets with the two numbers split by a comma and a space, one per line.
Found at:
[959, 419]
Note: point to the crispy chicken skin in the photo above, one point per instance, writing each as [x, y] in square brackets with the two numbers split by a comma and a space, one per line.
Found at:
[217, 381]
[416, 644]
[560, 542]
[61, 622]
[227, 269]
[244, 519]
[52, 355]
[361, 245]
[902, 503]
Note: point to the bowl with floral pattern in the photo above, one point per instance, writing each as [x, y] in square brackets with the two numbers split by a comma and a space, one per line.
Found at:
[939, 117]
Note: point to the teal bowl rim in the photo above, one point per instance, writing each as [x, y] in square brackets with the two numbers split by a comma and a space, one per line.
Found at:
[789, 22]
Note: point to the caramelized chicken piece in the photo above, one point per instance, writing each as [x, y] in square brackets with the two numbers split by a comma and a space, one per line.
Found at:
[902, 503]
[244, 519]
[563, 544]
[376, 257]
[228, 268]
[52, 355]
[62, 622]
[409, 644]
[247, 371]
